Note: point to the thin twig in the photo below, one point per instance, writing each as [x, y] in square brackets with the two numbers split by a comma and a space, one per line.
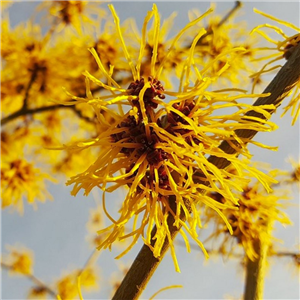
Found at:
[23, 111]
[145, 263]
[81, 116]
[32, 111]
[91, 259]
[293, 255]
[31, 81]
[209, 30]
[34, 279]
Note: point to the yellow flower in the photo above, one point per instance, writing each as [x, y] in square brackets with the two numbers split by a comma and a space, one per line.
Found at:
[19, 179]
[89, 279]
[95, 220]
[159, 140]
[215, 46]
[15, 139]
[73, 13]
[5, 5]
[256, 211]
[19, 260]
[294, 175]
[173, 62]
[35, 66]
[284, 49]
[22, 51]
[67, 285]
[38, 292]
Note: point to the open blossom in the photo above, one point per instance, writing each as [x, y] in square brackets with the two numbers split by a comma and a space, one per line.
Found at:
[255, 214]
[72, 14]
[67, 285]
[19, 260]
[19, 179]
[215, 46]
[284, 49]
[157, 142]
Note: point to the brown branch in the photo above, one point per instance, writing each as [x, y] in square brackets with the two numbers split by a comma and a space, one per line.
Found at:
[81, 116]
[209, 30]
[27, 112]
[145, 263]
[31, 81]
[34, 279]
[294, 255]
[24, 111]
[237, 5]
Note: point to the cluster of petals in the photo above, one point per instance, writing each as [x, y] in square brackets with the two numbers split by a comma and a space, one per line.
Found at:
[156, 142]
[283, 49]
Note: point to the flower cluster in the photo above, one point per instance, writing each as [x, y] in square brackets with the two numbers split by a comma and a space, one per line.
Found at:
[19, 260]
[254, 216]
[33, 75]
[284, 49]
[158, 140]
[67, 285]
[73, 14]
[19, 177]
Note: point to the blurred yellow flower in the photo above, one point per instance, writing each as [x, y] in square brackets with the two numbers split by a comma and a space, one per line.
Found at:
[19, 260]
[95, 220]
[73, 14]
[5, 4]
[19, 179]
[67, 287]
[38, 292]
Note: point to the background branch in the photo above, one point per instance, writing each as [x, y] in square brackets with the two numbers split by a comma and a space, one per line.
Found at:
[209, 30]
[34, 279]
[145, 263]
[24, 111]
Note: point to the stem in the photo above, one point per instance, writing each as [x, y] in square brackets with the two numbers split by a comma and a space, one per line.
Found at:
[294, 255]
[34, 279]
[254, 276]
[145, 263]
[91, 260]
[24, 111]
[31, 81]
[209, 30]
[255, 269]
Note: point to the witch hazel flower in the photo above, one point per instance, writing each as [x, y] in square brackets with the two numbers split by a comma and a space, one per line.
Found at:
[284, 48]
[156, 143]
